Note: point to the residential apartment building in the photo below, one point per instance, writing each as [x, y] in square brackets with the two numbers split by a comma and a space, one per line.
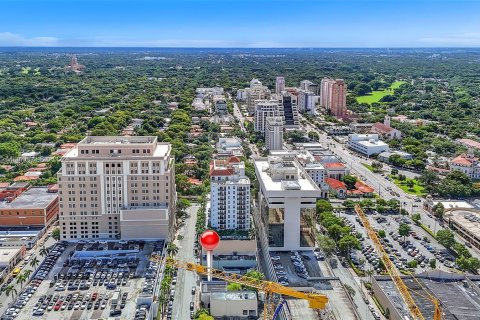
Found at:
[230, 194]
[274, 133]
[367, 144]
[263, 110]
[306, 102]
[333, 96]
[287, 198]
[117, 187]
[256, 91]
[309, 86]
[279, 85]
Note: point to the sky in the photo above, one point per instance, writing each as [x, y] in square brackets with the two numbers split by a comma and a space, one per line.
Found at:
[240, 23]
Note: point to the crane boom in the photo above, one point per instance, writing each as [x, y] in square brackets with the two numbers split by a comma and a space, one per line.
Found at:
[315, 301]
[392, 271]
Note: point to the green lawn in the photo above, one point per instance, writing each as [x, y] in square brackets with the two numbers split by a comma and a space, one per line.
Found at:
[369, 167]
[375, 96]
[417, 190]
[366, 165]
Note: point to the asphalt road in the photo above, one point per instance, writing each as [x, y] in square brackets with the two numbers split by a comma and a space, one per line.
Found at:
[5, 301]
[185, 279]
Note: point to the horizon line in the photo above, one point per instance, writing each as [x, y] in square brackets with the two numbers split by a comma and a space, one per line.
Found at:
[187, 47]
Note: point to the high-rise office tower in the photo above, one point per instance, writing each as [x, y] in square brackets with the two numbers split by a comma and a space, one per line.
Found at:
[117, 187]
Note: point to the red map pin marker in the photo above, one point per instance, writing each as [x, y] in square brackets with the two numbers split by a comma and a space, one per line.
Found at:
[209, 240]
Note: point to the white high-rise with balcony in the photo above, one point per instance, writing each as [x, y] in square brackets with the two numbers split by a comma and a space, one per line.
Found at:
[230, 195]
[263, 110]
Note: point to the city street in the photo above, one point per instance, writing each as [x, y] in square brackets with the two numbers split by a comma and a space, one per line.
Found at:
[6, 300]
[185, 279]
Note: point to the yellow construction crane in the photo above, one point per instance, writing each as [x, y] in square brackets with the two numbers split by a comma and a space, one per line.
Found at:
[315, 301]
[395, 274]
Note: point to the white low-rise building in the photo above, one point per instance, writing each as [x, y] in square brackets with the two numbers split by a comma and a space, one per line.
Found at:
[367, 144]
[229, 146]
[287, 201]
[234, 304]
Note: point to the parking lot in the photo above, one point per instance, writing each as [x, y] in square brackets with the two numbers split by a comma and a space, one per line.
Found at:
[299, 269]
[94, 280]
[417, 246]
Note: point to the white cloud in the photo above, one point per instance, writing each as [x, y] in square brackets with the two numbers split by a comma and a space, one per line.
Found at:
[12, 39]
[463, 39]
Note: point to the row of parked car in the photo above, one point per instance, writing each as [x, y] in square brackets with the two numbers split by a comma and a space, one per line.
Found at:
[71, 301]
[150, 281]
[83, 281]
[41, 274]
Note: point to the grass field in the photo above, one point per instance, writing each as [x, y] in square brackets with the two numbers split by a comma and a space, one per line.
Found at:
[375, 96]
[417, 189]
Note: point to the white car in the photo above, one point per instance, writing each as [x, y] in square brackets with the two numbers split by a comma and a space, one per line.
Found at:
[275, 258]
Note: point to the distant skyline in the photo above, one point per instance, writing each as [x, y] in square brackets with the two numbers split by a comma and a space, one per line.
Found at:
[240, 23]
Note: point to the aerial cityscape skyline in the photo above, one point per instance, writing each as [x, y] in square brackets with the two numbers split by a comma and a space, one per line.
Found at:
[240, 159]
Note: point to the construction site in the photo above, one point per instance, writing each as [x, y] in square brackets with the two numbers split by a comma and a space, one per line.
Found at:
[458, 295]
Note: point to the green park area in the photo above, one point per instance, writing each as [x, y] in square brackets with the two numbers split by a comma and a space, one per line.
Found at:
[375, 96]
[411, 186]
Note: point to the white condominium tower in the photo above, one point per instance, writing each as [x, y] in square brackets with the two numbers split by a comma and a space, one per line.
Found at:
[230, 195]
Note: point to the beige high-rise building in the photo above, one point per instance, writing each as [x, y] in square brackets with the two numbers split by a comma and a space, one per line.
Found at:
[333, 95]
[117, 187]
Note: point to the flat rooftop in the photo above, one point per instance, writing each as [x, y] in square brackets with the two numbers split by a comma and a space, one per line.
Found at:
[33, 198]
[6, 254]
[371, 143]
[161, 150]
[233, 295]
[458, 299]
[470, 221]
[303, 183]
[114, 140]
[455, 204]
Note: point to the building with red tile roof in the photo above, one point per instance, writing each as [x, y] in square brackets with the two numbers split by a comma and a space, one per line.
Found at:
[469, 143]
[385, 130]
[335, 170]
[468, 164]
[337, 187]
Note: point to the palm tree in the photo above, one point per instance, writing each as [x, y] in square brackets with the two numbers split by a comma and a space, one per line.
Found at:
[169, 270]
[172, 249]
[44, 251]
[34, 262]
[10, 291]
[27, 273]
[21, 278]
